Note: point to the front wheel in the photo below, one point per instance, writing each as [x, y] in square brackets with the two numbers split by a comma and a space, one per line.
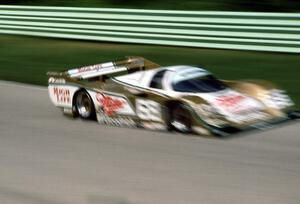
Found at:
[84, 105]
[180, 119]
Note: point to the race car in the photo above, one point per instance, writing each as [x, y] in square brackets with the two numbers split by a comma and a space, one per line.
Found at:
[136, 92]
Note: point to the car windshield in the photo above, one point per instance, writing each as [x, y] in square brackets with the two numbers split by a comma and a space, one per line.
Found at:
[196, 82]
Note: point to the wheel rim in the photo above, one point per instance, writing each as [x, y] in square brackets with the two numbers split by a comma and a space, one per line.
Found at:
[84, 105]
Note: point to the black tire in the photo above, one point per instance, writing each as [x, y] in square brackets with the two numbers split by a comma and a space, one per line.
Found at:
[294, 115]
[180, 119]
[84, 105]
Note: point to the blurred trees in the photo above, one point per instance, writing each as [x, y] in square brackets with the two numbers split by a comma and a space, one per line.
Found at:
[225, 5]
[266, 5]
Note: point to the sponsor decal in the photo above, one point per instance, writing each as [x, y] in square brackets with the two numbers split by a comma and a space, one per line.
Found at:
[229, 101]
[62, 95]
[56, 80]
[92, 68]
[236, 104]
[95, 67]
[110, 104]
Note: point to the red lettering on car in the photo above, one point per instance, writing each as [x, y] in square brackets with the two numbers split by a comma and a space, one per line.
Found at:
[109, 104]
[62, 95]
[229, 101]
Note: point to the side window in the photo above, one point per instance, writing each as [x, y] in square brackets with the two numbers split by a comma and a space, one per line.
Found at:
[156, 81]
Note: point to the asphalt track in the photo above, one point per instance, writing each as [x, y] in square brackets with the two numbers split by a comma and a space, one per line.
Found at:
[46, 158]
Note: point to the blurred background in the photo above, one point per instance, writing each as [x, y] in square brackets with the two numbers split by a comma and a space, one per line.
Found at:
[27, 59]
[47, 159]
[222, 5]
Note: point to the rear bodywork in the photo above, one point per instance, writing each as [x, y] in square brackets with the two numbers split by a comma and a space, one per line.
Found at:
[123, 95]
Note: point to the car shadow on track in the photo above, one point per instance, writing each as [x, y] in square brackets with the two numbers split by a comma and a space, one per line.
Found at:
[229, 136]
[252, 131]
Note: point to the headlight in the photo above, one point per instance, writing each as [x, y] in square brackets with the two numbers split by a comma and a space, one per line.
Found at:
[277, 99]
[209, 114]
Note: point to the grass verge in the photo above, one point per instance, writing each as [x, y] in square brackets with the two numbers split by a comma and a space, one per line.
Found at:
[27, 59]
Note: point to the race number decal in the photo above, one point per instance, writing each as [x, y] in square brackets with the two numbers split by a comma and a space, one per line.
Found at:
[148, 110]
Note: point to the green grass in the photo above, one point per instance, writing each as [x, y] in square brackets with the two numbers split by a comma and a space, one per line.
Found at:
[26, 59]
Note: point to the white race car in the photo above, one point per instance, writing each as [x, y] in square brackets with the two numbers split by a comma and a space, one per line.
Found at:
[137, 92]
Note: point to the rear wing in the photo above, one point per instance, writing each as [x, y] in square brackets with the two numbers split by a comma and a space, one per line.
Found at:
[118, 67]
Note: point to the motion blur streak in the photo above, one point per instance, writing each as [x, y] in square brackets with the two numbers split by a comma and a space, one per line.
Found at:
[49, 159]
[273, 32]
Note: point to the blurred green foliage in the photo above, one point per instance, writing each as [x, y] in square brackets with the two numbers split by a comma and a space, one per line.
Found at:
[222, 5]
[27, 59]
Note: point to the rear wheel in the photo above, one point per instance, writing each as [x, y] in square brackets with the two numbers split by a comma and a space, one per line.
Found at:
[84, 105]
[180, 119]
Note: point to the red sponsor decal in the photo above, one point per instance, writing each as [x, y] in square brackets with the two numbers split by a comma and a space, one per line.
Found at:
[229, 101]
[109, 104]
[62, 95]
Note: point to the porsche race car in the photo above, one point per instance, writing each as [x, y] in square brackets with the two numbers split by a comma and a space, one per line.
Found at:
[136, 92]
